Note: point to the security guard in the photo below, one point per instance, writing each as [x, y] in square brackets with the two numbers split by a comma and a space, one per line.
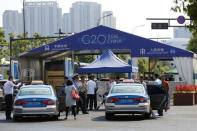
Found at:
[8, 93]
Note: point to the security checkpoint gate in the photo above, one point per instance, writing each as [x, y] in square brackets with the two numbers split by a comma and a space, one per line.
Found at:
[102, 38]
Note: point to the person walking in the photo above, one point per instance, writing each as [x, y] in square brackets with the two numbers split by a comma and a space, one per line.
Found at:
[70, 102]
[80, 102]
[8, 93]
[91, 87]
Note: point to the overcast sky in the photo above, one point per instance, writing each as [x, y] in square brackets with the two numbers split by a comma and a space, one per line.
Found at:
[130, 14]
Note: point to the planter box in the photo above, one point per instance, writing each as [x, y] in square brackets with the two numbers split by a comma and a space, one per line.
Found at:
[182, 99]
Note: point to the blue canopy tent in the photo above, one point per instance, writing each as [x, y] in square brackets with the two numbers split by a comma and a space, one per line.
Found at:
[106, 63]
[102, 38]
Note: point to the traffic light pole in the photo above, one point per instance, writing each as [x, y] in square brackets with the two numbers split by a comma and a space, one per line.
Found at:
[170, 19]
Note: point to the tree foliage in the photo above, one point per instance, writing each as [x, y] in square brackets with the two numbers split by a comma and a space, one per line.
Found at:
[20, 46]
[189, 7]
[159, 69]
[3, 45]
[85, 58]
[192, 46]
[142, 66]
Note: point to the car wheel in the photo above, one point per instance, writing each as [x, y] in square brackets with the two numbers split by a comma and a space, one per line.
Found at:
[56, 117]
[147, 115]
[16, 118]
[108, 116]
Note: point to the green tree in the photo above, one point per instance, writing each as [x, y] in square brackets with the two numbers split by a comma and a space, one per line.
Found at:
[142, 66]
[3, 45]
[192, 46]
[85, 58]
[159, 69]
[189, 7]
[20, 46]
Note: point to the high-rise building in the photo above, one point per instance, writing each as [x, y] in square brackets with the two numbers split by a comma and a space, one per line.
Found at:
[84, 15]
[67, 23]
[43, 17]
[11, 19]
[181, 38]
[181, 32]
[108, 19]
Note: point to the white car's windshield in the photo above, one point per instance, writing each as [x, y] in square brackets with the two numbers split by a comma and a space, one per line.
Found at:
[35, 91]
[128, 89]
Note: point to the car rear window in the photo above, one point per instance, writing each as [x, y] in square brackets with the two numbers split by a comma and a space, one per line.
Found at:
[128, 89]
[35, 91]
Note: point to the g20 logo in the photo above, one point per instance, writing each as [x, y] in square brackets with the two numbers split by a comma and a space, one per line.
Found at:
[94, 39]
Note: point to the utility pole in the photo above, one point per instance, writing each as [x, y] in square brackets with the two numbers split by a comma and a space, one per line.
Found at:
[24, 17]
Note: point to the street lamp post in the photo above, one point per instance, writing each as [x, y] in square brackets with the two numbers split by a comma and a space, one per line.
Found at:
[99, 20]
[137, 27]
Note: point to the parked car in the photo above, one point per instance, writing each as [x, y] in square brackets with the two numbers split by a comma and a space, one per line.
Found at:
[127, 98]
[36, 100]
[2, 102]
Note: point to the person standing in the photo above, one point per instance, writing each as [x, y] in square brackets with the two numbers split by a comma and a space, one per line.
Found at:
[8, 93]
[134, 79]
[112, 82]
[70, 102]
[65, 83]
[117, 79]
[91, 87]
[141, 81]
[157, 81]
[83, 94]
[167, 89]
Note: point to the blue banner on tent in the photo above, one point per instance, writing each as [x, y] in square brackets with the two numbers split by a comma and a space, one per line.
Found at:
[102, 37]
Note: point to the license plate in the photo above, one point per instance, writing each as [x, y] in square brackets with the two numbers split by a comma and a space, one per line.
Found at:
[32, 104]
[126, 101]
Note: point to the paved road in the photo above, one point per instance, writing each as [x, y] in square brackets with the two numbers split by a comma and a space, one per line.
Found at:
[177, 119]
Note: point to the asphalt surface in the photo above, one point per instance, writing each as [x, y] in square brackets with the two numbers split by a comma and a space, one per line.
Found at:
[178, 118]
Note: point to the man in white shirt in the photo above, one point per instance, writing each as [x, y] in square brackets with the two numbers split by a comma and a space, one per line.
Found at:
[157, 80]
[8, 93]
[91, 89]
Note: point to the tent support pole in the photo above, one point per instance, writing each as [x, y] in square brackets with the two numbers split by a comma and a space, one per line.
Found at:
[73, 61]
[149, 67]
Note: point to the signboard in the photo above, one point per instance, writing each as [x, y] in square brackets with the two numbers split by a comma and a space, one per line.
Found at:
[159, 25]
[181, 19]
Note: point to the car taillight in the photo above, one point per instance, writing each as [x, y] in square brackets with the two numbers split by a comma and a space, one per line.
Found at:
[19, 102]
[140, 100]
[112, 100]
[49, 102]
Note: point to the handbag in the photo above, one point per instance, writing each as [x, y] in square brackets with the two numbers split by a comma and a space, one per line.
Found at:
[75, 94]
